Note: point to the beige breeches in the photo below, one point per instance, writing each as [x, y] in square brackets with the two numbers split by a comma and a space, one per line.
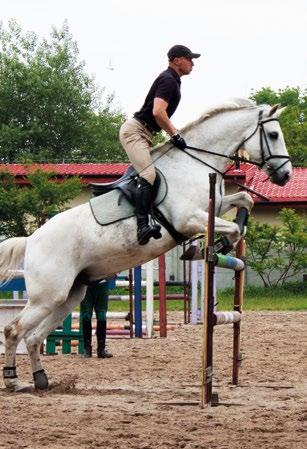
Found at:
[137, 142]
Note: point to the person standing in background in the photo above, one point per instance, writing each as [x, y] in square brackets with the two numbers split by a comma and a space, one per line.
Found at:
[96, 298]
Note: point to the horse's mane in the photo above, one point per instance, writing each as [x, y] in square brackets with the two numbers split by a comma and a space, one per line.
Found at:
[231, 105]
[234, 104]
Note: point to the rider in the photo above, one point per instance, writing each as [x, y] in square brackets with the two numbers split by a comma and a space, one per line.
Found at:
[136, 134]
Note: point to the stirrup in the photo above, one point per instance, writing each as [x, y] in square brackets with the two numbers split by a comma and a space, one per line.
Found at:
[145, 234]
[156, 228]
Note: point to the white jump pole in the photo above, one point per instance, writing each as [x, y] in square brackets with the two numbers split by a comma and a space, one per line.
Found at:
[149, 298]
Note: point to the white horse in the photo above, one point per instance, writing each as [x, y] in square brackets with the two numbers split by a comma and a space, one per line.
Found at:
[72, 242]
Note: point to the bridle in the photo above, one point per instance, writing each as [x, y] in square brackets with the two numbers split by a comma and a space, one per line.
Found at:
[266, 153]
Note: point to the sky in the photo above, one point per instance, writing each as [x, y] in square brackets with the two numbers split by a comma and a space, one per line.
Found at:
[244, 44]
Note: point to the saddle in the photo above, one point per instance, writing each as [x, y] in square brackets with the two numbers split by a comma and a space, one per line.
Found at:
[115, 201]
[127, 185]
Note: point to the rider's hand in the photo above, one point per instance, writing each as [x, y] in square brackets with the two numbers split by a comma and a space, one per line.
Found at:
[179, 141]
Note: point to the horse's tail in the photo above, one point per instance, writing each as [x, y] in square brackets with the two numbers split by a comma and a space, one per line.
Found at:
[12, 252]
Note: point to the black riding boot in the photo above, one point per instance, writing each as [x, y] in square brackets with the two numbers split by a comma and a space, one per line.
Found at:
[143, 205]
[87, 335]
[101, 332]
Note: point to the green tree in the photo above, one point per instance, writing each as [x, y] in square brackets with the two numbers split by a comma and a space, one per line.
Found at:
[50, 109]
[293, 120]
[24, 209]
[278, 253]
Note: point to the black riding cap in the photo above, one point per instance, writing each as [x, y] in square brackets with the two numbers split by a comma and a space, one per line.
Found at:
[177, 51]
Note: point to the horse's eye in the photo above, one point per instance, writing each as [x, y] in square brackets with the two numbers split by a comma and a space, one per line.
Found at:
[273, 135]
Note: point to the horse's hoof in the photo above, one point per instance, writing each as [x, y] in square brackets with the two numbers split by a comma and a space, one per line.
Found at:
[40, 380]
[193, 253]
[19, 388]
[24, 388]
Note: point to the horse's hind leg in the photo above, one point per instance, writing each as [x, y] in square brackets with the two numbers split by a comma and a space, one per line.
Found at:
[36, 336]
[30, 317]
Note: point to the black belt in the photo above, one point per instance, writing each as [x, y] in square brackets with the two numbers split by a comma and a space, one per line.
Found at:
[142, 122]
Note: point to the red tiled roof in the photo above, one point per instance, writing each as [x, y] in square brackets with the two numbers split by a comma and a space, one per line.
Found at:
[106, 169]
[293, 192]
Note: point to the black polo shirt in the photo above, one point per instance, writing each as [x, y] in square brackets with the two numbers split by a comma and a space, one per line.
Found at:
[167, 87]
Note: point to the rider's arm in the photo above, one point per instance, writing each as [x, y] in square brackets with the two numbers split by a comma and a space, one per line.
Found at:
[161, 117]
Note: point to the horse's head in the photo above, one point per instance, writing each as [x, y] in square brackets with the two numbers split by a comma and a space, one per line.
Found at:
[266, 145]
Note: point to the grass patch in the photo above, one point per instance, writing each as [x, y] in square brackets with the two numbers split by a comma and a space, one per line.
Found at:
[291, 296]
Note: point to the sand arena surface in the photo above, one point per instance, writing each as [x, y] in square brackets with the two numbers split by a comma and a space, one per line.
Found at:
[146, 396]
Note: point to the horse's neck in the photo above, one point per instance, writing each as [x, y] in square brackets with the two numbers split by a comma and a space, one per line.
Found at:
[220, 134]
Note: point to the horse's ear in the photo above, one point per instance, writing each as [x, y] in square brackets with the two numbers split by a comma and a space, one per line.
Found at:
[276, 109]
[273, 110]
[280, 110]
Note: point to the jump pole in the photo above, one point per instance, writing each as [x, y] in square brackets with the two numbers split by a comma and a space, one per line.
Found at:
[149, 298]
[130, 277]
[186, 301]
[237, 306]
[212, 317]
[138, 301]
[207, 343]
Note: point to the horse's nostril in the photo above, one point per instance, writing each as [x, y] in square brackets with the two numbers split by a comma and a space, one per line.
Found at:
[287, 177]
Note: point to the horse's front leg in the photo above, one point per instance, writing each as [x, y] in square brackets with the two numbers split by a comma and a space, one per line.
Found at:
[240, 199]
[197, 224]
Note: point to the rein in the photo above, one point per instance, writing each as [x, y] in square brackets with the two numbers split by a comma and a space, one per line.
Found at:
[237, 159]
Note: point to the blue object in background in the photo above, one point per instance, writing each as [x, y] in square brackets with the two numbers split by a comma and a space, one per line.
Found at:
[14, 285]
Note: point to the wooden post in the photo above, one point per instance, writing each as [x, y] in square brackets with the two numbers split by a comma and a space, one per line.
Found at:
[162, 293]
[208, 322]
[237, 306]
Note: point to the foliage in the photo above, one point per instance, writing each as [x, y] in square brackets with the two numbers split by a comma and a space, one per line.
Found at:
[50, 109]
[23, 209]
[277, 253]
[293, 120]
